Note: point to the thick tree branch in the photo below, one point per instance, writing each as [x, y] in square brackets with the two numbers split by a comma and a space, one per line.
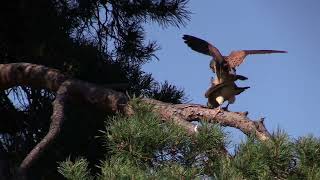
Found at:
[191, 112]
[57, 119]
[37, 76]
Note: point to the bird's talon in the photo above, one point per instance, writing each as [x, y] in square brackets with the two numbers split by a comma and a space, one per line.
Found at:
[225, 109]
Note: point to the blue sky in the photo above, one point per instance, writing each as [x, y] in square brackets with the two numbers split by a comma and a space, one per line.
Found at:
[284, 87]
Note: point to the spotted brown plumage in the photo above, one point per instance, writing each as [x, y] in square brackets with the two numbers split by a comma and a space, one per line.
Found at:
[235, 58]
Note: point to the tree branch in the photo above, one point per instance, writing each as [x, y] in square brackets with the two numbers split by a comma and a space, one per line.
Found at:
[191, 112]
[66, 88]
[57, 119]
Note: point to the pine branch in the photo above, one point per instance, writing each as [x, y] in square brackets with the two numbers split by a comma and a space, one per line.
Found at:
[66, 88]
[180, 113]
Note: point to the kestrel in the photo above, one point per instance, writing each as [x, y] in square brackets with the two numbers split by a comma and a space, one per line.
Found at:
[217, 94]
[222, 65]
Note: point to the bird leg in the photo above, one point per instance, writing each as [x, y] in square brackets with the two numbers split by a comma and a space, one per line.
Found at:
[226, 108]
[218, 111]
[219, 100]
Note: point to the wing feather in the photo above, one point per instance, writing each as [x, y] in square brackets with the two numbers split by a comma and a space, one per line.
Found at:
[202, 46]
[237, 57]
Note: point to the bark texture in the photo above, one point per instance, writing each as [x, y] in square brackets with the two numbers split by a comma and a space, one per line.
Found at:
[180, 113]
[68, 89]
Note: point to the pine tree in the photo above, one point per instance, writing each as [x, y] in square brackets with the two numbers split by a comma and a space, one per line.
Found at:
[99, 41]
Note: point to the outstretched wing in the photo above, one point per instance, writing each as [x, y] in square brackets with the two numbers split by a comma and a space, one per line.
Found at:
[237, 57]
[203, 47]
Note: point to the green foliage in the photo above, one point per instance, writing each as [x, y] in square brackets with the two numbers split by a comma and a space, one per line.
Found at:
[266, 160]
[176, 171]
[121, 169]
[141, 147]
[77, 170]
[308, 157]
[249, 160]
[141, 137]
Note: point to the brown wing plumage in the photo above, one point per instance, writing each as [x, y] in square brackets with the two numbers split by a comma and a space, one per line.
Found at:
[214, 89]
[237, 57]
[202, 46]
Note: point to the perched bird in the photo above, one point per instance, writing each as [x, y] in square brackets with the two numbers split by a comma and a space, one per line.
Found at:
[227, 91]
[222, 65]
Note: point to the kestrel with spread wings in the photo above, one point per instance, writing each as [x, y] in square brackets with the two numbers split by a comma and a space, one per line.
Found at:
[222, 65]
